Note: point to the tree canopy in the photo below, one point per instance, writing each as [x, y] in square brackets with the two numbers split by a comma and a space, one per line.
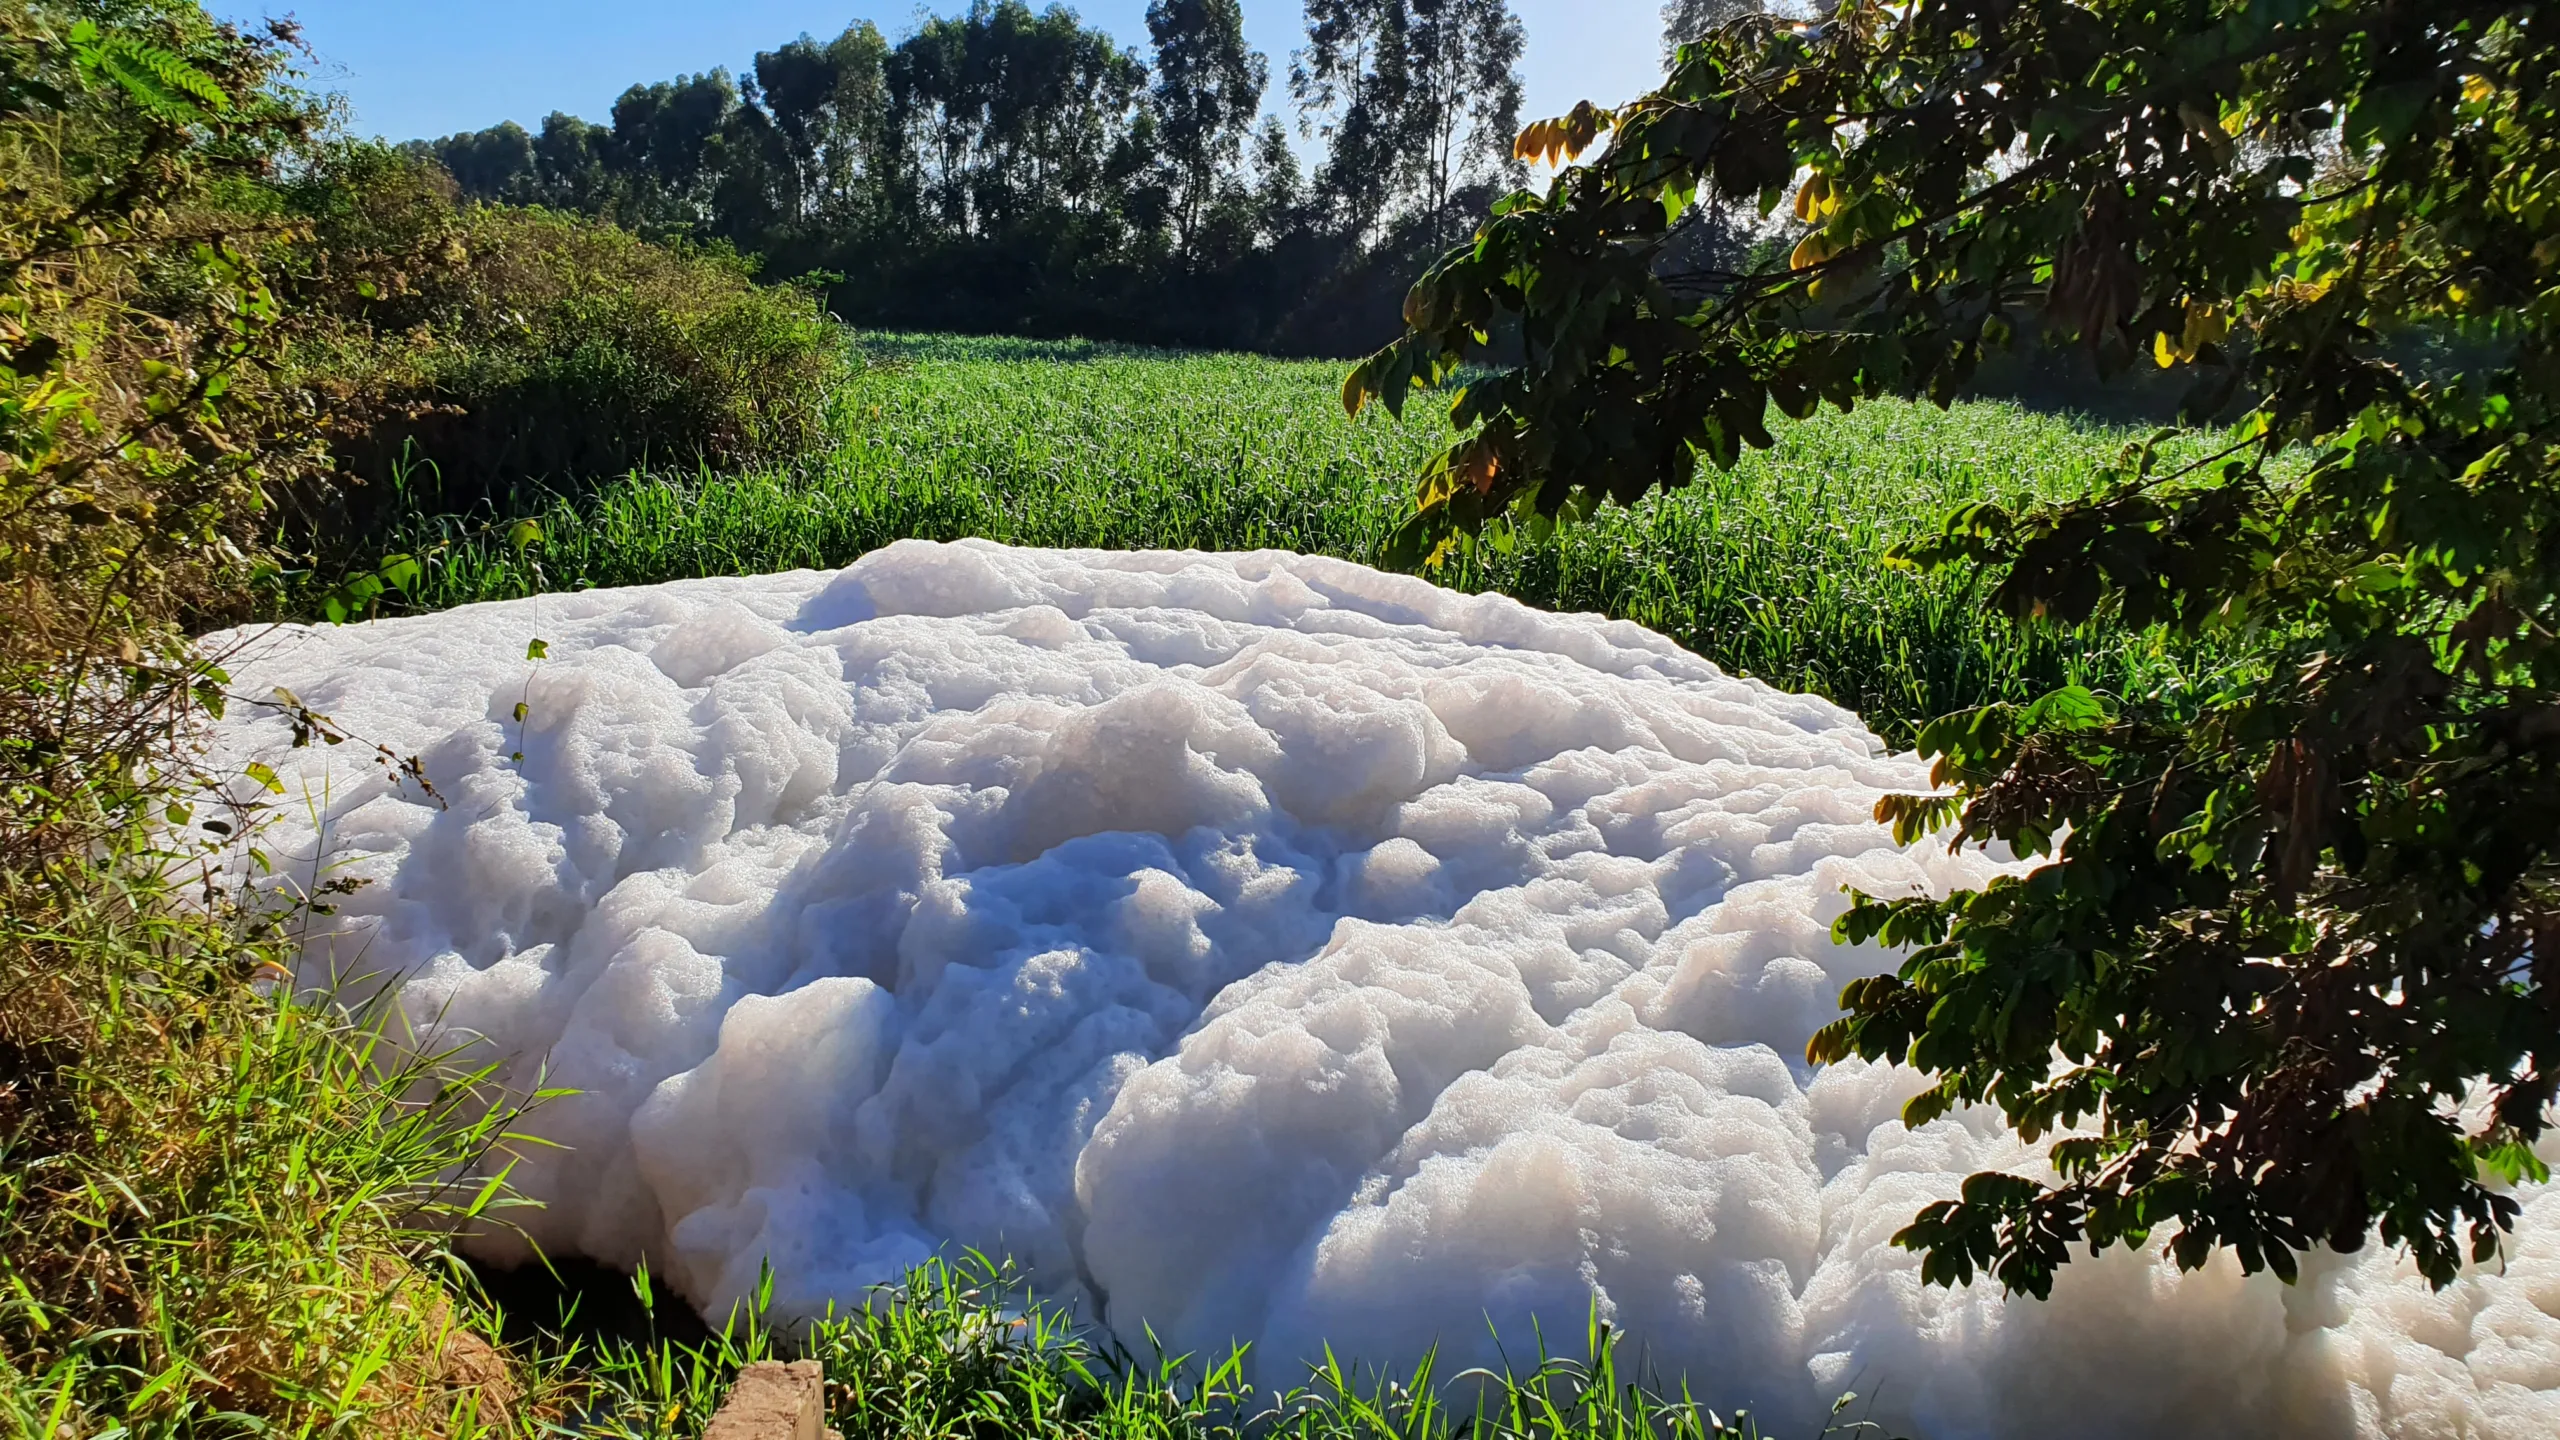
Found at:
[1414, 98]
[1208, 88]
[1012, 168]
[2291, 974]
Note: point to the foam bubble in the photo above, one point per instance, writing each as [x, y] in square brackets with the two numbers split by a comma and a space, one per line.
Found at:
[1260, 948]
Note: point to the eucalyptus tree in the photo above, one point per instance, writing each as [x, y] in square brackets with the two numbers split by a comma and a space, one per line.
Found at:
[1416, 100]
[1009, 112]
[666, 137]
[569, 163]
[1463, 103]
[1352, 82]
[1208, 89]
[829, 103]
[498, 161]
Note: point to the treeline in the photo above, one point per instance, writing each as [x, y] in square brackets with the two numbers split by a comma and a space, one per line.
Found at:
[1011, 170]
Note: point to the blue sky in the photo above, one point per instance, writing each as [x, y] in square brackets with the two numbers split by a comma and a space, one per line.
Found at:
[430, 67]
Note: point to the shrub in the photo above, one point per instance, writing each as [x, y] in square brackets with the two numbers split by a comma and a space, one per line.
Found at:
[507, 345]
[211, 1202]
[141, 430]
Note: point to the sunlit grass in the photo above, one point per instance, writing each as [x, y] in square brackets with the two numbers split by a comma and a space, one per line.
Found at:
[1773, 569]
[962, 1351]
[223, 1211]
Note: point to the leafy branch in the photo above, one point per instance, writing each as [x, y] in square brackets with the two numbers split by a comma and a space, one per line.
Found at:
[2287, 930]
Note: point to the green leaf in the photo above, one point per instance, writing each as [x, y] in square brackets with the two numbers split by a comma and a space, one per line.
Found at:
[159, 82]
[488, 1190]
[400, 571]
[2071, 708]
[2511, 1159]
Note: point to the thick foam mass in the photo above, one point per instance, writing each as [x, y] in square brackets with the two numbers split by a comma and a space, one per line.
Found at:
[1260, 948]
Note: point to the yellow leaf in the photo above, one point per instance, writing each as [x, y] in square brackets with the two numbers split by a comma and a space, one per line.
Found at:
[1548, 141]
[2476, 88]
[1353, 392]
[2162, 351]
[1814, 201]
[2206, 325]
[1812, 250]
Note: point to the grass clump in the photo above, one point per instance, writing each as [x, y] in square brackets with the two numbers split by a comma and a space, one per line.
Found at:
[225, 1212]
[1771, 569]
[962, 1350]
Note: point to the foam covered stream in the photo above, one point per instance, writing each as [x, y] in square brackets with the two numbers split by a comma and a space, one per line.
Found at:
[1257, 947]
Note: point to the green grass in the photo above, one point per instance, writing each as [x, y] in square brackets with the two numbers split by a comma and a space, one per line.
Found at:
[962, 1351]
[1771, 569]
[221, 1212]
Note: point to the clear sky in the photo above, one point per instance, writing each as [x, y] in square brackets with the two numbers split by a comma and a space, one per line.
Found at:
[417, 68]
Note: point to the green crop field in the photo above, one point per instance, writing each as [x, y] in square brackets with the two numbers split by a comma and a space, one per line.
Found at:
[1771, 569]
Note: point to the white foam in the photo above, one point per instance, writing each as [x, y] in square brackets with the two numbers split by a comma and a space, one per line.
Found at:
[1260, 948]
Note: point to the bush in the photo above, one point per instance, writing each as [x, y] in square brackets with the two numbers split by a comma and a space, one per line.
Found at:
[502, 345]
[212, 1203]
[221, 1212]
[141, 429]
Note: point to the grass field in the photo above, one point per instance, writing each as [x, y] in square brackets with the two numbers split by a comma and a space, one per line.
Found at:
[1771, 569]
